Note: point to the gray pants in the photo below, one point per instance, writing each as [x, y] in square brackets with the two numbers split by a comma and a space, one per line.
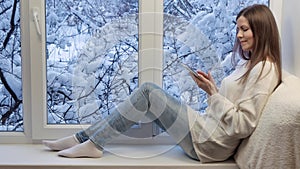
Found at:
[147, 104]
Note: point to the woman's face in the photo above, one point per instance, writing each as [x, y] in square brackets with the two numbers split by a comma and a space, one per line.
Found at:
[245, 34]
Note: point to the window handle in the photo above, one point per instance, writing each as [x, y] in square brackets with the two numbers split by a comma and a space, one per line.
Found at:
[35, 14]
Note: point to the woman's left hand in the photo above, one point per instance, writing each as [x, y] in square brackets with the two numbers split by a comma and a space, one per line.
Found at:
[205, 82]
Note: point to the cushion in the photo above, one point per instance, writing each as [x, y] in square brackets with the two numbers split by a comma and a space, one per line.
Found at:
[275, 143]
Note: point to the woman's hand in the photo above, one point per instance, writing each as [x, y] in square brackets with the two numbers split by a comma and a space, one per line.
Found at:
[205, 82]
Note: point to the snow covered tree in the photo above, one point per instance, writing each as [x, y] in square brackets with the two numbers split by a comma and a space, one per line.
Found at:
[11, 117]
[92, 57]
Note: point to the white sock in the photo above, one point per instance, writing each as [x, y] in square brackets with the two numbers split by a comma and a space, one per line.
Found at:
[62, 143]
[86, 149]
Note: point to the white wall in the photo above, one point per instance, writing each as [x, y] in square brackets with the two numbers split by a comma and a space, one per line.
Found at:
[290, 35]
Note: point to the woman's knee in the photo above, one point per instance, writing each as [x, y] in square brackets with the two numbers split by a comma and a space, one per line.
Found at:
[148, 86]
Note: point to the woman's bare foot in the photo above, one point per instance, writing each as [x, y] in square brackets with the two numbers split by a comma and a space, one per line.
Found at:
[61, 144]
[86, 149]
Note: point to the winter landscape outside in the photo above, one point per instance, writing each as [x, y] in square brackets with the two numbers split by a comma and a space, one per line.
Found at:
[11, 114]
[92, 54]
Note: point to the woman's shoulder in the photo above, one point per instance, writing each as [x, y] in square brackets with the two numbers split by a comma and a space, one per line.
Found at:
[264, 66]
[260, 66]
[264, 70]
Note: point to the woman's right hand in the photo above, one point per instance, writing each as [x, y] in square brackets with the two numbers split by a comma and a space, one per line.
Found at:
[205, 82]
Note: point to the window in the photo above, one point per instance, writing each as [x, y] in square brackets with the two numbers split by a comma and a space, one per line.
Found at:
[91, 56]
[161, 39]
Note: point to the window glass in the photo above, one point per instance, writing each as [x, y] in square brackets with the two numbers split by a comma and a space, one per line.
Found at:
[11, 117]
[201, 34]
[92, 52]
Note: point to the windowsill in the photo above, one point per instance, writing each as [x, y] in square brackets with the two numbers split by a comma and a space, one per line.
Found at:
[27, 156]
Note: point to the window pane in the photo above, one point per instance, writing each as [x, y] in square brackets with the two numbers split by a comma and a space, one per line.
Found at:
[11, 117]
[92, 51]
[201, 34]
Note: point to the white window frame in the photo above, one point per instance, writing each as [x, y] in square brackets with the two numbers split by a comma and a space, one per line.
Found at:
[148, 37]
[34, 68]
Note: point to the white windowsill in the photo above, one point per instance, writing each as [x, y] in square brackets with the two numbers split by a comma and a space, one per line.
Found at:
[30, 156]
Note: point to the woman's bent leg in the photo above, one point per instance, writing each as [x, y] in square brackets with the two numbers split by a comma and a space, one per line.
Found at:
[147, 104]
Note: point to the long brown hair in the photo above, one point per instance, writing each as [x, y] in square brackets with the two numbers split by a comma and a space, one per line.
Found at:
[266, 39]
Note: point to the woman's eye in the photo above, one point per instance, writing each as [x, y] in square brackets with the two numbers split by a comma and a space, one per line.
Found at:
[245, 28]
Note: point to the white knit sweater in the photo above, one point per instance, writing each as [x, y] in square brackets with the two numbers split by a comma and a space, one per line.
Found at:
[232, 114]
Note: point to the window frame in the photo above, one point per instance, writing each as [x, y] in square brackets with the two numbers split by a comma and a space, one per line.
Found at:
[34, 70]
[150, 39]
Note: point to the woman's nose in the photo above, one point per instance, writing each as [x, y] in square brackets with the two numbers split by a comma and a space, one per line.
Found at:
[239, 34]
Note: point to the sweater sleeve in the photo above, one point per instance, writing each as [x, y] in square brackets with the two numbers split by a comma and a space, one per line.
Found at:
[238, 119]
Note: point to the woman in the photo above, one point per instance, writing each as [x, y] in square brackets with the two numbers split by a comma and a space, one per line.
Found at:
[233, 110]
